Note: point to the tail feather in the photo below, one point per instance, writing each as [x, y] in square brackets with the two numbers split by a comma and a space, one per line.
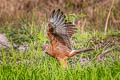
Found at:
[75, 52]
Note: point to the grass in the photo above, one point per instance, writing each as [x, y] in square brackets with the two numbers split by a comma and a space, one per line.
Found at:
[34, 64]
[50, 70]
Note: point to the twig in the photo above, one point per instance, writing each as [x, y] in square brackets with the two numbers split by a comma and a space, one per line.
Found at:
[101, 56]
[4, 45]
[108, 16]
[83, 26]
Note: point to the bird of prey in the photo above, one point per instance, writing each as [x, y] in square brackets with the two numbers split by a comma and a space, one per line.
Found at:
[59, 32]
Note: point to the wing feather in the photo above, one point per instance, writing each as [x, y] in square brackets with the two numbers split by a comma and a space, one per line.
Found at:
[61, 29]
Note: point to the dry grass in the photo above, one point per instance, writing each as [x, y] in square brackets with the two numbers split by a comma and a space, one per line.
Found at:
[95, 11]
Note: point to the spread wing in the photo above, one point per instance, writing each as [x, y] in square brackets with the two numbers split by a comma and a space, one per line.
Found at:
[61, 29]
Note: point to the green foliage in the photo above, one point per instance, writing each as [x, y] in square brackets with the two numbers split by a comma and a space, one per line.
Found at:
[73, 17]
[34, 64]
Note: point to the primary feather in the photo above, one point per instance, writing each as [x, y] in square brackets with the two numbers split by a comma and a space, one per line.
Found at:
[62, 30]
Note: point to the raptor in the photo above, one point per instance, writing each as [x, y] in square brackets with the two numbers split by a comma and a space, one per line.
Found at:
[59, 32]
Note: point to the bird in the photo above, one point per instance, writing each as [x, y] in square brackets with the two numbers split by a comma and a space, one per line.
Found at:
[59, 32]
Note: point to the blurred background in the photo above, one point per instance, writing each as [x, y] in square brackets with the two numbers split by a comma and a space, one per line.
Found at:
[22, 33]
[87, 14]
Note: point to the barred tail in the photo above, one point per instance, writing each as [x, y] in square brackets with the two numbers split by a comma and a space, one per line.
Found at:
[75, 52]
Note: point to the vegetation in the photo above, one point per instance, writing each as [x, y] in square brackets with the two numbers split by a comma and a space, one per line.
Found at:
[32, 63]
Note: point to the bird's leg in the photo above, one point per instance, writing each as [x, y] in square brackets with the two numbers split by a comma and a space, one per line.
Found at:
[75, 52]
[63, 62]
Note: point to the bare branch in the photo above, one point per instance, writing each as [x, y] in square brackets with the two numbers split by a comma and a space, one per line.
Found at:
[108, 16]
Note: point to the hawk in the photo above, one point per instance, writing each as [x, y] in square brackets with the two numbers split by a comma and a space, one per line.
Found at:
[59, 32]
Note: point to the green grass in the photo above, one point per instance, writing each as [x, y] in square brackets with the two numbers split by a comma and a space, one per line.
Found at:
[34, 64]
[50, 70]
